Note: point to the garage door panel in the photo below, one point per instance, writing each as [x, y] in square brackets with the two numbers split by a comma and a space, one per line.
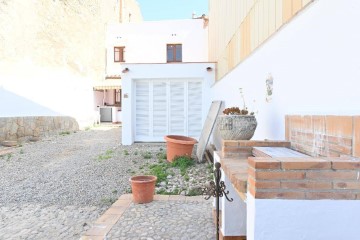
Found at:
[166, 107]
[177, 109]
[194, 108]
[142, 108]
[159, 108]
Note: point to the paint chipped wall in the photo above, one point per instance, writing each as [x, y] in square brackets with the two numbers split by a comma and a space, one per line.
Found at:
[326, 136]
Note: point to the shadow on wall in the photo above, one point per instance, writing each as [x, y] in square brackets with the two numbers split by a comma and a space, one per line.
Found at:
[13, 105]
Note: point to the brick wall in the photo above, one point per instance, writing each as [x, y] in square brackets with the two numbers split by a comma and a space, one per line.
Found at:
[243, 148]
[328, 136]
[308, 178]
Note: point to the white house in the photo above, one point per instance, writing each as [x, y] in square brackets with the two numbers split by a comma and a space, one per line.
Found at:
[165, 77]
[307, 52]
[107, 90]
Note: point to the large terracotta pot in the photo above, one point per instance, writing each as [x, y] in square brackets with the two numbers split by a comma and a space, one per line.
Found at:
[236, 127]
[143, 188]
[178, 146]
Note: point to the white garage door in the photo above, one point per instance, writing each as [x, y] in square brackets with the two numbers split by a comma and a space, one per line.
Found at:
[167, 106]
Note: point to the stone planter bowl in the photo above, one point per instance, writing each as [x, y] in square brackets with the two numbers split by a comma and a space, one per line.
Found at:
[9, 143]
[236, 127]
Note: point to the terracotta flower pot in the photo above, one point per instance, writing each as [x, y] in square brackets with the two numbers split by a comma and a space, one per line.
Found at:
[178, 146]
[143, 188]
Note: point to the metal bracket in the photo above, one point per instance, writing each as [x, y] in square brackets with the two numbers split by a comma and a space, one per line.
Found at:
[217, 189]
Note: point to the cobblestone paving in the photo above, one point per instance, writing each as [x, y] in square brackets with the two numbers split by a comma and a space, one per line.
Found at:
[53, 189]
[36, 221]
[58, 187]
[160, 220]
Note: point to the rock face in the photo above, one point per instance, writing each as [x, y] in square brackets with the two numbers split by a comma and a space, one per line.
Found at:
[59, 33]
[51, 52]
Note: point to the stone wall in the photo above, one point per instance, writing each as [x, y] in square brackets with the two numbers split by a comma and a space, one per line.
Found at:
[21, 128]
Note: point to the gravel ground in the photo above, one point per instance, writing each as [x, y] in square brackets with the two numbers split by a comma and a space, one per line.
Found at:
[59, 185]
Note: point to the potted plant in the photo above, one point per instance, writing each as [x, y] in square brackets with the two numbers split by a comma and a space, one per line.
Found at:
[143, 188]
[236, 123]
[177, 146]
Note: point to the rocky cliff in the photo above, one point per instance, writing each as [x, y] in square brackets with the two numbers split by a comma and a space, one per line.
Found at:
[51, 51]
[61, 34]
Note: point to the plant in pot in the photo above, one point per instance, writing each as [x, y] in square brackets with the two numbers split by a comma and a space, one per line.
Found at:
[236, 123]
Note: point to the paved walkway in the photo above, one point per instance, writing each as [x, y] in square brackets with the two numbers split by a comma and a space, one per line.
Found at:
[57, 188]
[167, 217]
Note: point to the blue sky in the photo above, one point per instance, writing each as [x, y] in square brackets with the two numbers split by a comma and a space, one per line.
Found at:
[153, 10]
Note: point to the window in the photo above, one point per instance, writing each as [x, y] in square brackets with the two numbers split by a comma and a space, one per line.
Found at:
[174, 52]
[119, 54]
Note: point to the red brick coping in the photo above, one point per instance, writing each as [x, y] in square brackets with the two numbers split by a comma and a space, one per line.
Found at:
[294, 178]
[304, 178]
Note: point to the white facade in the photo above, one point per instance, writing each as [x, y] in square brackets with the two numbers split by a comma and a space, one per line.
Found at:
[146, 42]
[314, 62]
[273, 219]
[38, 91]
[160, 98]
[166, 75]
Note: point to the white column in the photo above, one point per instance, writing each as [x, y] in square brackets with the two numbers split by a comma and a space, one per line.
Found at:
[274, 219]
[127, 110]
[233, 213]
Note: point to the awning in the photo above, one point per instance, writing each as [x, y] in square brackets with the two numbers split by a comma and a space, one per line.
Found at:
[107, 84]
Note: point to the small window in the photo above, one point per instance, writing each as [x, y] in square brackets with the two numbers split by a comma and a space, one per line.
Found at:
[174, 52]
[119, 54]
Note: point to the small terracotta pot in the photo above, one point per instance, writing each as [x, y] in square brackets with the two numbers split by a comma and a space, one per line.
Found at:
[143, 188]
[178, 146]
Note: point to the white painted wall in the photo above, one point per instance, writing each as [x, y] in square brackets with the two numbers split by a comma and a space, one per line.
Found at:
[146, 42]
[30, 90]
[151, 71]
[233, 214]
[314, 61]
[98, 99]
[302, 219]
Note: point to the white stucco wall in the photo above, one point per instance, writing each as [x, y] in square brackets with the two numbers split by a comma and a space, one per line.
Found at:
[29, 90]
[156, 71]
[233, 214]
[314, 61]
[302, 219]
[146, 42]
